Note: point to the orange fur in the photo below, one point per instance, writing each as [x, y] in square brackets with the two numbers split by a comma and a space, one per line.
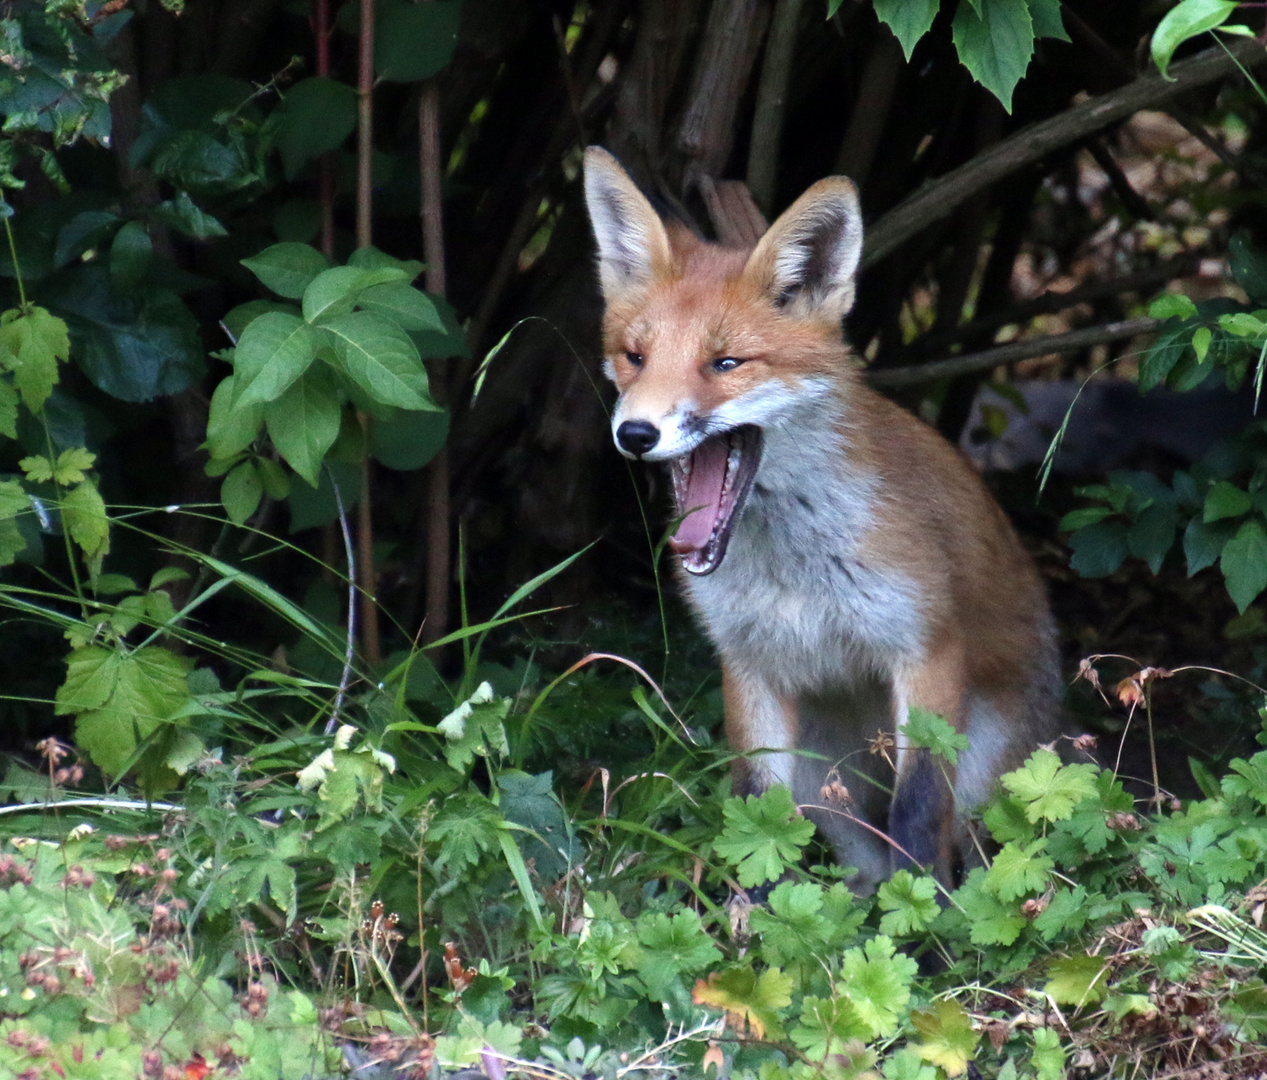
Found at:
[868, 570]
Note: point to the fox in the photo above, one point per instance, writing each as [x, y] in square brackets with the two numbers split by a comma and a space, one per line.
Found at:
[846, 562]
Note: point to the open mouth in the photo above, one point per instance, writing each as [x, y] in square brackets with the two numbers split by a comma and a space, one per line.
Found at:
[709, 487]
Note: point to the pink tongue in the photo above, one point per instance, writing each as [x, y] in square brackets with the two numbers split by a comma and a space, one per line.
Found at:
[703, 490]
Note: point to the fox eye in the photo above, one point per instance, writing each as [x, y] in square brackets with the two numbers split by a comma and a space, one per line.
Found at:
[726, 363]
[636, 359]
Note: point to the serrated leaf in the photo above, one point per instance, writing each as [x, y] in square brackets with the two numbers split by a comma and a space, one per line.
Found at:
[1244, 563]
[877, 982]
[287, 268]
[465, 827]
[71, 466]
[31, 344]
[118, 696]
[995, 44]
[910, 904]
[1186, 20]
[792, 928]
[1048, 22]
[756, 1000]
[1018, 870]
[927, 729]
[827, 1026]
[334, 292]
[304, 422]
[909, 20]
[672, 947]
[762, 835]
[8, 409]
[241, 491]
[84, 515]
[1077, 980]
[946, 1036]
[37, 468]
[380, 358]
[273, 351]
[1049, 790]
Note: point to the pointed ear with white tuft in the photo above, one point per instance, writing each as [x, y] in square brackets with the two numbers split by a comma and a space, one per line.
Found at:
[808, 258]
[632, 242]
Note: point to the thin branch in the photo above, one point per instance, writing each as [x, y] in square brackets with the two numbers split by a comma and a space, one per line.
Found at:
[346, 677]
[1011, 353]
[942, 197]
[1135, 203]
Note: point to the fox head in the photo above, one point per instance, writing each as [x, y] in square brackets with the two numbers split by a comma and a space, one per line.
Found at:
[710, 346]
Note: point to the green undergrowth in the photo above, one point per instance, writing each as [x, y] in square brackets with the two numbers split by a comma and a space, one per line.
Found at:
[416, 894]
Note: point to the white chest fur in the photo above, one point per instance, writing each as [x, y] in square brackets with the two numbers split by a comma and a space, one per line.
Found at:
[799, 597]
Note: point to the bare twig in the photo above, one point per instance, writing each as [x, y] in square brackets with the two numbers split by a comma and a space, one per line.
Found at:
[1011, 353]
[942, 197]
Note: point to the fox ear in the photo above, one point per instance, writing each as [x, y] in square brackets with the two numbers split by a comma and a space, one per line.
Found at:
[632, 242]
[808, 258]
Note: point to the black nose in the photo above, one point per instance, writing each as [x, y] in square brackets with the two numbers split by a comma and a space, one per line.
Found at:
[637, 436]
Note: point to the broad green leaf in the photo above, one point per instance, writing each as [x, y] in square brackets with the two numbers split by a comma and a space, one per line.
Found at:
[1203, 544]
[71, 466]
[924, 728]
[37, 468]
[1201, 338]
[304, 422]
[408, 440]
[273, 351]
[828, 1026]
[414, 41]
[1081, 518]
[372, 258]
[1049, 790]
[672, 947]
[1186, 20]
[315, 115]
[31, 344]
[184, 216]
[946, 1036]
[877, 981]
[1099, 549]
[239, 318]
[287, 268]
[231, 428]
[1017, 870]
[408, 307]
[13, 500]
[336, 291]
[791, 926]
[1249, 265]
[84, 515]
[1077, 980]
[909, 20]
[909, 903]
[130, 255]
[1225, 500]
[757, 999]
[274, 478]
[1151, 535]
[995, 45]
[12, 542]
[379, 357]
[1049, 1055]
[1048, 22]
[1172, 306]
[241, 492]
[1243, 324]
[117, 696]
[8, 409]
[1244, 563]
[763, 834]
[465, 826]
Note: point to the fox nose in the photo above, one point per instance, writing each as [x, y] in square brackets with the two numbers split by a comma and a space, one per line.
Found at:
[637, 436]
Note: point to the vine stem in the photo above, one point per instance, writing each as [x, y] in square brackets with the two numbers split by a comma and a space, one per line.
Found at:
[13, 254]
[346, 677]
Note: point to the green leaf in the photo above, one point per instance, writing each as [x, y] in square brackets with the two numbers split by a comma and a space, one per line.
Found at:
[131, 255]
[1048, 22]
[910, 904]
[31, 344]
[1203, 544]
[1077, 980]
[1049, 790]
[1201, 338]
[762, 835]
[336, 291]
[758, 999]
[475, 727]
[414, 41]
[71, 466]
[304, 422]
[185, 217]
[1186, 20]
[672, 947]
[379, 357]
[1018, 870]
[1152, 534]
[946, 1036]
[407, 307]
[909, 20]
[1049, 1055]
[120, 696]
[877, 982]
[273, 351]
[464, 826]
[828, 1026]
[241, 492]
[1098, 550]
[927, 729]
[408, 440]
[1081, 518]
[8, 409]
[1249, 265]
[1225, 500]
[239, 318]
[287, 268]
[231, 428]
[995, 44]
[1244, 563]
[792, 928]
[1172, 306]
[84, 515]
[1243, 324]
[37, 468]
[315, 115]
